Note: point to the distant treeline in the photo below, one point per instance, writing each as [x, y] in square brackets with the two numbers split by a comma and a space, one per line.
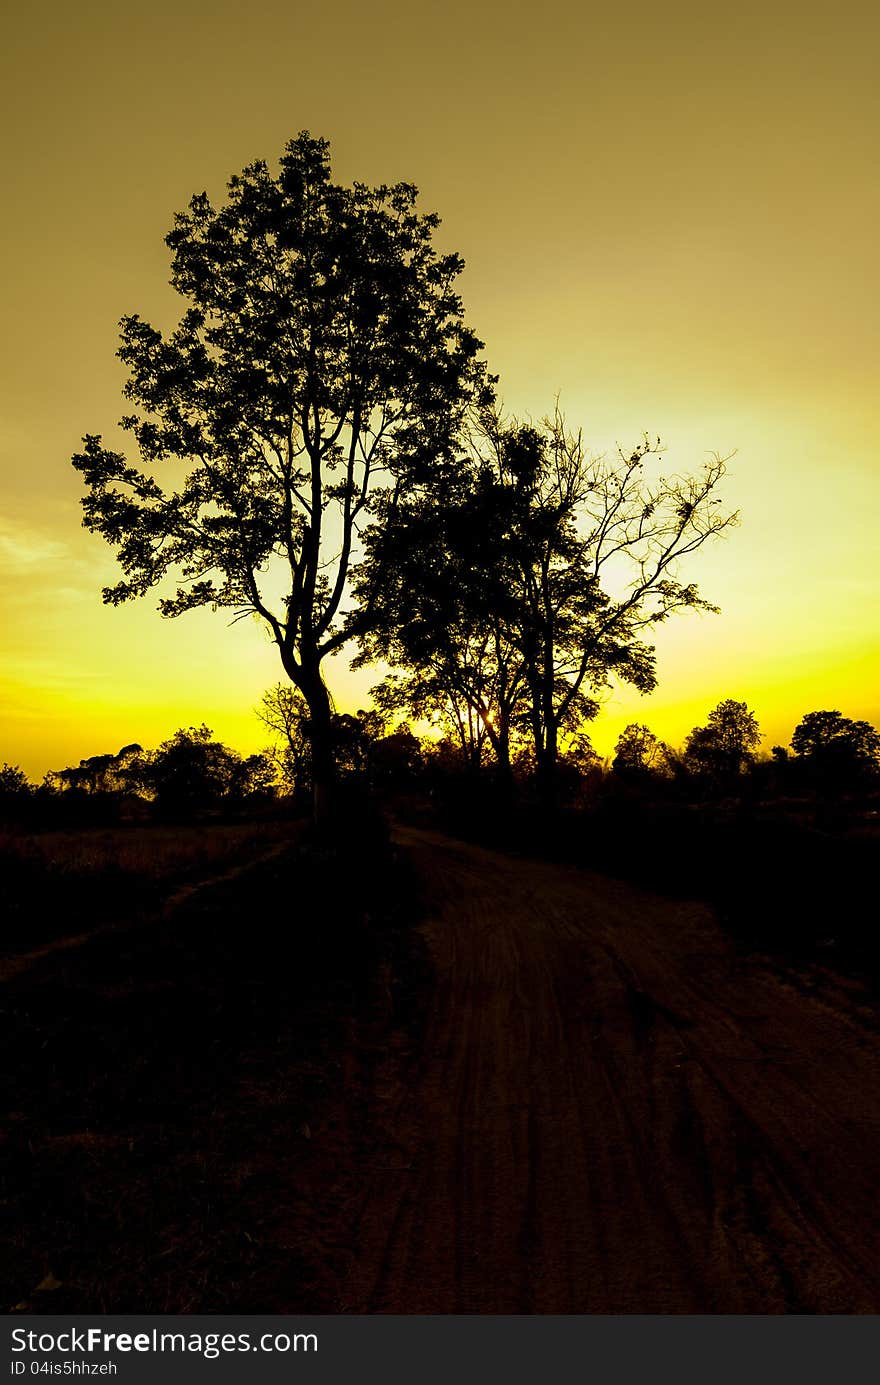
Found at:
[830, 758]
[784, 844]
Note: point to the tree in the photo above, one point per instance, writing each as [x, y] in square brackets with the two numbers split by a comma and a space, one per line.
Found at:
[253, 777]
[284, 712]
[838, 750]
[535, 577]
[579, 764]
[397, 759]
[723, 748]
[442, 623]
[19, 798]
[638, 753]
[355, 737]
[596, 548]
[102, 774]
[322, 365]
[191, 771]
[15, 787]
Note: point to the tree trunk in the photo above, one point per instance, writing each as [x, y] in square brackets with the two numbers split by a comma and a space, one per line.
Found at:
[546, 767]
[321, 741]
[502, 757]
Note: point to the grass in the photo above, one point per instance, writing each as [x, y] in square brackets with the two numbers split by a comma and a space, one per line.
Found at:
[57, 883]
[184, 1098]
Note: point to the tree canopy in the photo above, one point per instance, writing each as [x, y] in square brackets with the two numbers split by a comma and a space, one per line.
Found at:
[726, 745]
[537, 575]
[836, 749]
[639, 752]
[322, 363]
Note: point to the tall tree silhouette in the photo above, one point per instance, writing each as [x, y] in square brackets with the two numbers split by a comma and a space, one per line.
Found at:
[597, 546]
[537, 577]
[322, 362]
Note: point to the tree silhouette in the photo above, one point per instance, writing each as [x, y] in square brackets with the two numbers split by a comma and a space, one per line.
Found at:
[191, 771]
[838, 751]
[355, 737]
[397, 759]
[285, 713]
[726, 745]
[535, 576]
[598, 546]
[102, 773]
[443, 622]
[322, 363]
[638, 753]
[15, 787]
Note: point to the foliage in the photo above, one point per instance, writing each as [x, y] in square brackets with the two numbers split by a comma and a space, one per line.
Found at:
[189, 772]
[398, 759]
[639, 753]
[322, 365]
[103, 774]
[284, 712]
[441, 622]
[532, 578]
[835, 749]
[723, 748]
[192, 771]
[14, 784]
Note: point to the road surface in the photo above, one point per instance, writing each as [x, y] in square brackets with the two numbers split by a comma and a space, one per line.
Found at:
[613, 1112]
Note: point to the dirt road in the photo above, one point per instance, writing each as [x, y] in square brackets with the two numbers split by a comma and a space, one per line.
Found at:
[612, 1112]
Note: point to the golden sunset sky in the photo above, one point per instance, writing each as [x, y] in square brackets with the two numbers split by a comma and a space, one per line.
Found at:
[669, 214]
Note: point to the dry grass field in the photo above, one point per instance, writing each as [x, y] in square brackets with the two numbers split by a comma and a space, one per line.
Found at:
[53, 884]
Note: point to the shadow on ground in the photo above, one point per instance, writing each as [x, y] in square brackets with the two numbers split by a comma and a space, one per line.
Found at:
[186, 1106]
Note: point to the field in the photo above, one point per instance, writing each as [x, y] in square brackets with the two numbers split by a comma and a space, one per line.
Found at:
[162, 1147]
[58, 883]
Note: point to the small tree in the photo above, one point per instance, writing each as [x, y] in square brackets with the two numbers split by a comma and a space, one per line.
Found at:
[639, 753]
[322, 362]
[13, 781]
[15, 787]
[254, 777]
[837, 750]
[102, 774]
[284, 712]
[191, 771]
[355, 736]
[726, 745]
[596, 545]
[398, 759]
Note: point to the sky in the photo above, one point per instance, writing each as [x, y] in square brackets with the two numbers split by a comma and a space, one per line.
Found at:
[668, 216]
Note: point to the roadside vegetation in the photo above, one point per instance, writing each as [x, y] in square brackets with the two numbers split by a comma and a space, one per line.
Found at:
[785, 845]
[185, 1105]
[55, 883]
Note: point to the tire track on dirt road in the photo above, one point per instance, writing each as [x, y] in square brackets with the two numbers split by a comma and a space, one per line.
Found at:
[614, 1112]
